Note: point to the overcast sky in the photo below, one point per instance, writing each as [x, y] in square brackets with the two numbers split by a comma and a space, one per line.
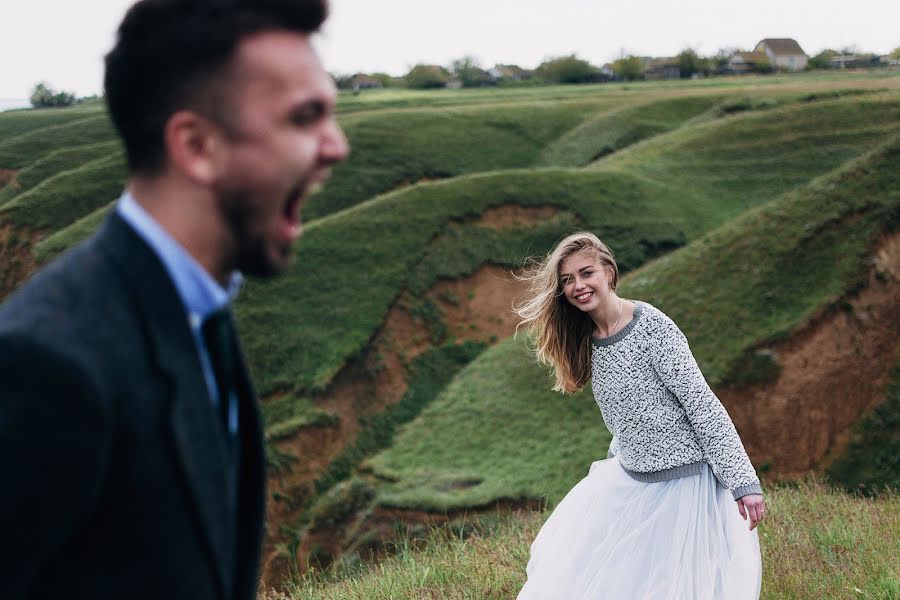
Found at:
[63, 41]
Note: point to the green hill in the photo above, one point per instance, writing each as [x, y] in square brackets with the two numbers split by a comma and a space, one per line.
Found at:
[392, 149]
[774, 189]
[14, 123]
[54, 163]
[490, 425]
[65, 197]
[387, 237]
[91, 126]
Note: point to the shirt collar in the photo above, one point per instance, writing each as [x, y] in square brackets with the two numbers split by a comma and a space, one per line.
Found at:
[199, 292]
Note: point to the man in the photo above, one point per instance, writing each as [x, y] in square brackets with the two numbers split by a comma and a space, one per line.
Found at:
[130, 448]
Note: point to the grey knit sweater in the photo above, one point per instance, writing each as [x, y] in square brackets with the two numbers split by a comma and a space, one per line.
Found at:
[666, 421]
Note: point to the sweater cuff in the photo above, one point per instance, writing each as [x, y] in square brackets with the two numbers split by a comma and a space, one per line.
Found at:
[746, 490]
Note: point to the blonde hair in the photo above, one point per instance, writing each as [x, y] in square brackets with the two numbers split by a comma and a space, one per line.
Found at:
[561, 333]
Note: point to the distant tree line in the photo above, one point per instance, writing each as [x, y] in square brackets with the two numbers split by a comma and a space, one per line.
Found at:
[44, 96]
[466, 72]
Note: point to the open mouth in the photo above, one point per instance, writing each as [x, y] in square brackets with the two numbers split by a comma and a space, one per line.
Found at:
[290, 212]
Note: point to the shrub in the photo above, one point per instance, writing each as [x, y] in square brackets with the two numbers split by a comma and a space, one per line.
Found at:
[43, 96]
[822, 59]
[424, 77]
[628, 68]
[566, 69]
[763, 66]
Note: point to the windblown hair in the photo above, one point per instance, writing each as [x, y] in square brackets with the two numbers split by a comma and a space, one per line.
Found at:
[562, 333]
[172, 55]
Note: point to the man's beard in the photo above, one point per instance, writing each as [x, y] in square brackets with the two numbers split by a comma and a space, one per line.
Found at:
[250, 253]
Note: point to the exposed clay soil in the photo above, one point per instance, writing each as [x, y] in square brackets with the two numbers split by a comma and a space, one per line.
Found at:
[833, 371]
[479, 307]
[513, 216]
[482, 312]
[6, 175]
[16, 259]
[363, 388]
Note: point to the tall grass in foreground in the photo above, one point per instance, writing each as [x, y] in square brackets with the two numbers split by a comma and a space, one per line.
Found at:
[817, 543]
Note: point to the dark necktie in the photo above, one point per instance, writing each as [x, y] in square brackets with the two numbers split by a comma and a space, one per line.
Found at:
[221, 344]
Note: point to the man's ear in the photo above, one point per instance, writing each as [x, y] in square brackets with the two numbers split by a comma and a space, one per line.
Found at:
[195, 146]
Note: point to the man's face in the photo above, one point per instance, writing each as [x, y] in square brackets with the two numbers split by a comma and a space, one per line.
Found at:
[282, 140]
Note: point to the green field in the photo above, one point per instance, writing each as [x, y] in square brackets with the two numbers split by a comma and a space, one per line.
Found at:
[815, 543]
[490, 425]
[764, 196]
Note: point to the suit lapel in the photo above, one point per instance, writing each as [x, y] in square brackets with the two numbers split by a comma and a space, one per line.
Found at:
[198, 438]
[251, 493]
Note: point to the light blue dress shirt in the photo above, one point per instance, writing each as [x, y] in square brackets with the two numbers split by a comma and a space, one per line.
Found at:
[200, 294]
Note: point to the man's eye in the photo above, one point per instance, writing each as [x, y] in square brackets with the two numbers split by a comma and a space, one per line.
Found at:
[307, 115]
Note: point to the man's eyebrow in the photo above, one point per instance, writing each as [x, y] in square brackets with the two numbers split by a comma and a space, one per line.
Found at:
[305, 105]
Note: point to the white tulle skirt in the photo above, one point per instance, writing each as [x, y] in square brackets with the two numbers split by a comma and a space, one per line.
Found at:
[617, 538]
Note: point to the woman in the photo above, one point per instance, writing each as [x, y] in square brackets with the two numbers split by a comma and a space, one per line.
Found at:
[657, 519]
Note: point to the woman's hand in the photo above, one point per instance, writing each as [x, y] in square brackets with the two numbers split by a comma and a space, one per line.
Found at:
[754, 506]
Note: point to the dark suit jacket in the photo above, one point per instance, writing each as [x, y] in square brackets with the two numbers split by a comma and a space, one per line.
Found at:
[113, 467]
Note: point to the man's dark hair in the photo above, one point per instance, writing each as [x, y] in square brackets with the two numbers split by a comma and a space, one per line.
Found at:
[171, 54]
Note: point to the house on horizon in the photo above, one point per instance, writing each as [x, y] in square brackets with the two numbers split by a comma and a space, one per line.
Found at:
[666, 67]
[784, 54]
[511, 72]
[363, 81]
[744, 62]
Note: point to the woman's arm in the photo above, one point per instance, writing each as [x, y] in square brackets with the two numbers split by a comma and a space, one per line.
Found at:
[673, 361]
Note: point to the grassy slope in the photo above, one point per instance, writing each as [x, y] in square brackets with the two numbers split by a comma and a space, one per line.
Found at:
[91, 127]
[766, 273]
[816, 543]
[17, 122]
[67, 196]
[57, 161]
[67, 237]
[813, 242]
[394, 148]
[761, 154]
[368, 254]
[607, 133]
[351, 266]
[489, 431]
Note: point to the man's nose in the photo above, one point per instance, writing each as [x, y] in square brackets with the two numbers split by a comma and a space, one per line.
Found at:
[334, 147]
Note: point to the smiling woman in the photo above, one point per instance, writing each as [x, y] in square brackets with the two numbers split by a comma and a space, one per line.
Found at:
[663, 498]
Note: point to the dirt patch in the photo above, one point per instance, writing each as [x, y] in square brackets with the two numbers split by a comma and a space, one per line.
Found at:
[475, 308]
[16, 260]
[385, 522]
[833, 371]
[479, 307]
[371, 534]
[514, 216]
[363, 388]
[6, 175]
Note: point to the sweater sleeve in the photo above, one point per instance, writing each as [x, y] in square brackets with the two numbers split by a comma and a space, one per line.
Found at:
[675, 364]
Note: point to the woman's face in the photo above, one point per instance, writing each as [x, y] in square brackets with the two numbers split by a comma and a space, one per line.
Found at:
[585, 283]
